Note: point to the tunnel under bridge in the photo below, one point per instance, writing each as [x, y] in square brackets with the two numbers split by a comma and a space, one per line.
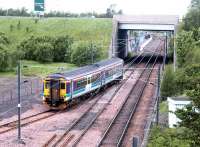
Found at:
[124, 23]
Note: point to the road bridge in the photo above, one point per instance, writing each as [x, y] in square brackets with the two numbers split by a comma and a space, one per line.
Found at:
[123, 23]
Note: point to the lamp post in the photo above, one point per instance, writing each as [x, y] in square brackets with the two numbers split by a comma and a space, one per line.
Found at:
[20, 141]
[19, 103]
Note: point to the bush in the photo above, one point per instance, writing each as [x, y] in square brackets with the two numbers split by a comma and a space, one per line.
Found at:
[4, 39]
[5, 58]
[44, 52]
[167, 137]
[185, 43]
[168, 86]
[62, 49]
[85, 53]
[59, 48]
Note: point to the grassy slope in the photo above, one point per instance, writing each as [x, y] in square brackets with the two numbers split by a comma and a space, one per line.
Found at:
[35, 68]
[81, 29]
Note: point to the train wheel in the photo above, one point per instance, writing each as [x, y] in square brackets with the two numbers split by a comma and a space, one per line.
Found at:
[62, 106]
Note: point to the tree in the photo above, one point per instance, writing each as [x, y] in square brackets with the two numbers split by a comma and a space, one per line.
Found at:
[168, 86]
[185, 43]
[165, 137]
[111, 10]
[44, 52]
[62, 49]
[85, 53]
[4, 58]
[190, 116]
[4, 39]
[192, 18]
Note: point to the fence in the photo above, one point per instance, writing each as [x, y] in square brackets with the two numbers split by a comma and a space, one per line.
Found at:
[32, 87]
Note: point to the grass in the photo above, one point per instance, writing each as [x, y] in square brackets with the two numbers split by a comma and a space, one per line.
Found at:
[33, 68]
[81, 29]
[164, 107]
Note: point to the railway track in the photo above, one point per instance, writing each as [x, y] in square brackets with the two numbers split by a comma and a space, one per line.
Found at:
[81, 123]
[115, 131]
[27, 120]
[137, 125]
[4, 128]
[71, 137]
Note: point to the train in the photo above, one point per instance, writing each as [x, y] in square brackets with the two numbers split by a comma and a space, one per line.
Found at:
[61, 89]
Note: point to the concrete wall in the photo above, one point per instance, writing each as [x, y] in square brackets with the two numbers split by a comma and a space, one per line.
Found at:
[119, 44]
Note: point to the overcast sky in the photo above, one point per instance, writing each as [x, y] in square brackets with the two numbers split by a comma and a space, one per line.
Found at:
[177, 7]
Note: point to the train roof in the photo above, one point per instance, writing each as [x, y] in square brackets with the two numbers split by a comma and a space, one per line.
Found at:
[86, 69]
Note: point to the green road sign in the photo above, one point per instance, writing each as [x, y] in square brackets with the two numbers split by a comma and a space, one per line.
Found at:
[39, 5]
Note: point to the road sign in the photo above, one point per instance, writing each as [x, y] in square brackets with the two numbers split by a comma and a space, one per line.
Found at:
[39, 5]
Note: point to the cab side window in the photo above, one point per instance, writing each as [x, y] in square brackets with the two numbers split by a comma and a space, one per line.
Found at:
[47, 85]
[62, 86]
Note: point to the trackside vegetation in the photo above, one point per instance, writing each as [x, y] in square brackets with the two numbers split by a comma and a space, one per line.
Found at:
[77, 41]
[185, 81]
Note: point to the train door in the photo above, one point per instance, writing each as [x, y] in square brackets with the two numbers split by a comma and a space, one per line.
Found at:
[62, 88]
[88, 86]
[46, 87]
[55, 90]
[103, 78]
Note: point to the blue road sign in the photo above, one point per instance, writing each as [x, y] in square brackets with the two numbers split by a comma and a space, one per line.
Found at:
[39, 5]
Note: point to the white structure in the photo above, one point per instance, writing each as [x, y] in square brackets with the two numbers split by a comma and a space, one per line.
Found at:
[175, 103]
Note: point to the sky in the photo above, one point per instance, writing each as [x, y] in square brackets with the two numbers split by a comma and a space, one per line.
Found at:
[135, 7]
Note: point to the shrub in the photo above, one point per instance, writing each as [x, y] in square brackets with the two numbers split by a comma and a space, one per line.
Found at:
[167, 137]
[62, 49]
[59, 47]
[85, 53]
[168, 86]
[5, 59]
[185, 43]
[4, 39]
[27, 47]
[44, 52]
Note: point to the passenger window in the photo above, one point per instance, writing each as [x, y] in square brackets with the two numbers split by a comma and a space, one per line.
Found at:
[62, 86]
[96, 78]
[81, 83]
[47, 85]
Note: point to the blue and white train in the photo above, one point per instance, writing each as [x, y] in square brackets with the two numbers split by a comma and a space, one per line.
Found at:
[62, 88]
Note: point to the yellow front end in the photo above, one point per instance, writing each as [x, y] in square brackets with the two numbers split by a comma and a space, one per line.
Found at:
[46, 92]
[63, 90]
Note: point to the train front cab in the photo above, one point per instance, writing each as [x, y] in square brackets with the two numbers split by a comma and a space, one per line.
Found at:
[56, 91]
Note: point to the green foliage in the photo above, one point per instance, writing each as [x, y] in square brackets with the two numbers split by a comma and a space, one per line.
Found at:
[163, 107]
[85, 53]
[4, 58]
[62, 49]
[191, 19]
[181, 81]
[57, 49]
[188, 49]
[190, 116]
[19, 25]
[22, 44]
[165, 137]
[193, 70]
[11, 28]
[185, 43]
[168, 86]
[191, 120]
[5, 54]
[4, 39]
[44, 52]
